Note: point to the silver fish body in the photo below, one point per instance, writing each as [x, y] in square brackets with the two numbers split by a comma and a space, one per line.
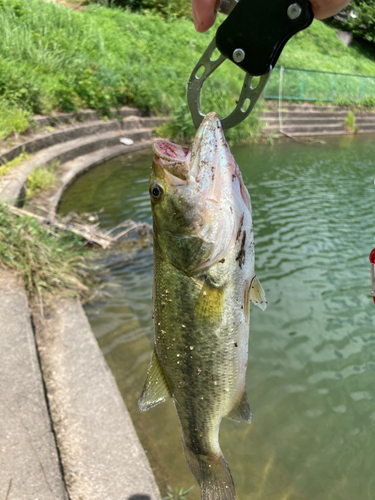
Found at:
[203, 282]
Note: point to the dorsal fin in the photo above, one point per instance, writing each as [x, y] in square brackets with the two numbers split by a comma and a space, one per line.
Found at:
[241, 412]
[155, 390]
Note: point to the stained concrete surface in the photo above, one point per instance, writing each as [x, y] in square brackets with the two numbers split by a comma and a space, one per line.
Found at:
[29, 465]
[100, 451]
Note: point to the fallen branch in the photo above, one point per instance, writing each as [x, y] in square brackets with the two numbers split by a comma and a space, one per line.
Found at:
[92, 235]
[290, 137]
[143, 228]
[89, 232]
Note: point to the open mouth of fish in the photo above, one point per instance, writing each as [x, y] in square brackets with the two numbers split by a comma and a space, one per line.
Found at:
[209, 163]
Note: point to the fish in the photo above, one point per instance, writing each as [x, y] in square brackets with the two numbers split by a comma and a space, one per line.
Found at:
[204, 281]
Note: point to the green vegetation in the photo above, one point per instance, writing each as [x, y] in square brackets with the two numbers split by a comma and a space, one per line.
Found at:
[41, 178]
[318, 86]
[318, 48]
[48, 261]
[6, 167]
[368, 102]
[177, 494]
[13, 119]
[56, 58]
[167, 8]
[350, 123]
[362, 24]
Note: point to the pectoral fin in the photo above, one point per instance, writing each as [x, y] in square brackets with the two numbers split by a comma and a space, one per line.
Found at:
[257, 295]
[156, 388]
[209, 307]
[241, 412]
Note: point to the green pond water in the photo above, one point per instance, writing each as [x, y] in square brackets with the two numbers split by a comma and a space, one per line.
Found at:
[311, 370]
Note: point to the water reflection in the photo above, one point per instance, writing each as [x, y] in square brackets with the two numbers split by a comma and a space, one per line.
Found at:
[311, 364]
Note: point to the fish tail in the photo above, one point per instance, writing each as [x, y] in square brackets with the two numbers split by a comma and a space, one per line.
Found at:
[212, 474]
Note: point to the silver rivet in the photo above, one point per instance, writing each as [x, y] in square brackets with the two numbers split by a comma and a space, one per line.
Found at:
[238, 55]
[294, 11]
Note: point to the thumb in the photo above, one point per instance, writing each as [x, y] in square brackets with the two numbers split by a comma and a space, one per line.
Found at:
[204, 13]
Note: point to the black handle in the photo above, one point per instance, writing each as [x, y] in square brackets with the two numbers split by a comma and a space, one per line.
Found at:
[256, 31]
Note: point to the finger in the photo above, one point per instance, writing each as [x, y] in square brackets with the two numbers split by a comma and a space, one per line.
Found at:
[327, 8]
[204, 13]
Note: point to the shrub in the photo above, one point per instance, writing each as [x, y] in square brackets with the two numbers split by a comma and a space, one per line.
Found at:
[13, 119]
[362, 24]
[41, 178]
[343, 102]
[368, 102]
[350, 123]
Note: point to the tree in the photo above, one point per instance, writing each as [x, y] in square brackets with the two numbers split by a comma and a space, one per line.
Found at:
[359, 18]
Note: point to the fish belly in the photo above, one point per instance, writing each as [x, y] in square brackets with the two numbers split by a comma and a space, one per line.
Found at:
[204, 364]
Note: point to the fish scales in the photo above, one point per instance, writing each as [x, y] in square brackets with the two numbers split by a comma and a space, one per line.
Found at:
[192, 373]
[203, 282]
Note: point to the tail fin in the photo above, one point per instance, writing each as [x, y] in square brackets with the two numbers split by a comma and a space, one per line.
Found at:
[212, 473]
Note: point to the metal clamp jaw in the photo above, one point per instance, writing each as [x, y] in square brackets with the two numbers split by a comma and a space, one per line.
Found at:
[253, 36]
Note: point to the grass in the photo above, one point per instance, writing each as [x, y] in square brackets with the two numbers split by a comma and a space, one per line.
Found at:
[48, 261]
[13, 119]
[350, 123]
[6, 167]
[324, 87]
[319, 49]
[56, 58]
[177, 494]
[41, 178]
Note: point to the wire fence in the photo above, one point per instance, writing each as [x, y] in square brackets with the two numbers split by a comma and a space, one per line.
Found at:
[310, 85]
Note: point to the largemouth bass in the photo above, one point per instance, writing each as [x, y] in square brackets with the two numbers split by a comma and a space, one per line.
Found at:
[203, 282]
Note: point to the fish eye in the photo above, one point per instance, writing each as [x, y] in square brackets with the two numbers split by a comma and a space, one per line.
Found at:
[156, 191]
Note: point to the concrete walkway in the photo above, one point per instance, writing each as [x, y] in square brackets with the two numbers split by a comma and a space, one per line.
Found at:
[29, 464]
[101, 454]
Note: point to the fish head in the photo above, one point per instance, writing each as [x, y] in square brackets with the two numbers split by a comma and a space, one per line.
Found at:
[198, 199]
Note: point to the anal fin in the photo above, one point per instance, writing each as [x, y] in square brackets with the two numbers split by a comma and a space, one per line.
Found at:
[241, 412]
[155, 390]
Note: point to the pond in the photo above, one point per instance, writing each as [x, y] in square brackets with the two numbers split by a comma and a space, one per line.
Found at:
[311, 369]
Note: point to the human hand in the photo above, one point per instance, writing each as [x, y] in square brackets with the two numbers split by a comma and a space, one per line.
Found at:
[327, 8]
[204, 11]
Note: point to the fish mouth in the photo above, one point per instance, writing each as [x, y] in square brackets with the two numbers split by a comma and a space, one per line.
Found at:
[209, 163]
[172, 158]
